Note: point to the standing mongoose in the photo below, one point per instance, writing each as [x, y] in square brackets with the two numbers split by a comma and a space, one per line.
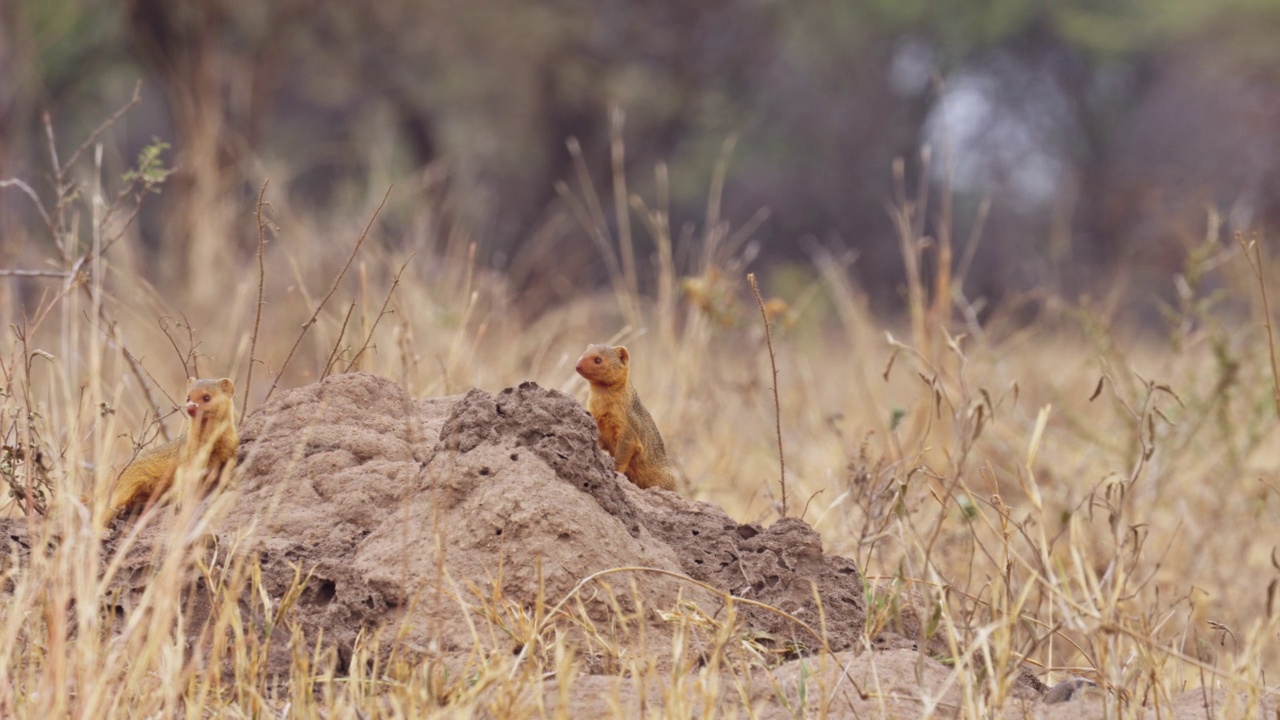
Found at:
[626, 429]
[206, 450]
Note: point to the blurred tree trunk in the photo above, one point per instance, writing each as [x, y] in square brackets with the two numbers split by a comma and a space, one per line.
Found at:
[17, 118]
[180, 43]
[12, 58]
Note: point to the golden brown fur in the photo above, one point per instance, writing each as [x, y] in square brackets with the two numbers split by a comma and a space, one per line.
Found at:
[627, 431]
[205, 451]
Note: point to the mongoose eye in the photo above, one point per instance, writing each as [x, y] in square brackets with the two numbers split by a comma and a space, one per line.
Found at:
[207, 397]
[599, 360]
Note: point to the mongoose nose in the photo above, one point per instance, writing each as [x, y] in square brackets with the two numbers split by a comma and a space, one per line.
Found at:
[578, 367]
[191, 409]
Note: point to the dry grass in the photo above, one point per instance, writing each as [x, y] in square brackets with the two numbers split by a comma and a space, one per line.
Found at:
[1087, 497]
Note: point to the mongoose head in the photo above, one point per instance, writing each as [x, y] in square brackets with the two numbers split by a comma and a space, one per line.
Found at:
[604, 365]
[208, 397]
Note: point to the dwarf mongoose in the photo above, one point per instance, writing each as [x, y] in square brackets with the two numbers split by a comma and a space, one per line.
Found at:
[205, 450]
[626, 429]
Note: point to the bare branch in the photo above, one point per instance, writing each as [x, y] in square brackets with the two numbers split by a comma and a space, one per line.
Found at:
[1256, 264]
[26, 189]
[35, 273]
[93, 136]
[394, 284]
[262, 279]
[336, 282]
[337, 344]
[777, 405]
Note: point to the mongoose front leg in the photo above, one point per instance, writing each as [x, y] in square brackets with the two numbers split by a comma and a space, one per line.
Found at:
[628, 449]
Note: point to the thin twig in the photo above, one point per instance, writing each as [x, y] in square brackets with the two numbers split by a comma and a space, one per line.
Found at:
[62, 192]
[141, 375]
[58, 168]
[337, 344]
[93, 136]
[336, 281]
[188, 358]
[26, 493]
[128, 222]
[191, 343]
[394, 283]
[108, 329]
[777, 405]
[35, 199]
[618, 156]
[257, 316]
[903, 212]
[1256, 264]
[35, 273]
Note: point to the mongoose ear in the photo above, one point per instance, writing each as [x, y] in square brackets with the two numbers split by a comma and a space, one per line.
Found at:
[191, 382]
[227, 386]
[623, 355]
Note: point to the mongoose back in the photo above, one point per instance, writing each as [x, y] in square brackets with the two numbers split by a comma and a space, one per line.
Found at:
[205, 450]
[627, 431]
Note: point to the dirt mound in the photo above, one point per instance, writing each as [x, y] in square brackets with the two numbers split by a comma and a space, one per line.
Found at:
[777, 566]
[404, 514]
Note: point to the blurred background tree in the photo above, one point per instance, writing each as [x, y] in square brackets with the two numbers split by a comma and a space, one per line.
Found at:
[1100, 132]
